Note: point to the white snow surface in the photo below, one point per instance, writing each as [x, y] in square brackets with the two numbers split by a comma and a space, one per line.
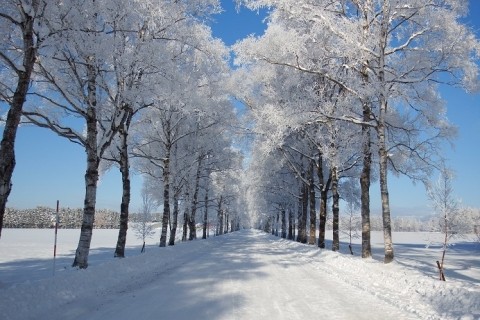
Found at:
[242, 275]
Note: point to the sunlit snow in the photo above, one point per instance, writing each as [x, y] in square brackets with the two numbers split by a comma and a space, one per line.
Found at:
[243, 275]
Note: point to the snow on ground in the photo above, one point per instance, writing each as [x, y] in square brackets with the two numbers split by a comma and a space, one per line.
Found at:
[242, 275]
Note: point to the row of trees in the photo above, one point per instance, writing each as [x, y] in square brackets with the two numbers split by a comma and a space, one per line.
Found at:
[464, 222]
[69, 218]
[135, 84]
[145, 222]
[341, 92]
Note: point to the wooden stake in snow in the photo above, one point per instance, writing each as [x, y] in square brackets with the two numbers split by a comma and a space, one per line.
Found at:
[55, 243]
[440, 269]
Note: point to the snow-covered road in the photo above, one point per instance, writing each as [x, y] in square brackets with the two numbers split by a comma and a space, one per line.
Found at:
[243, 275]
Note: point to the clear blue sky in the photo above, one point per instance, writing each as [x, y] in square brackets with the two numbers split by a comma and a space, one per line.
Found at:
[50, 168]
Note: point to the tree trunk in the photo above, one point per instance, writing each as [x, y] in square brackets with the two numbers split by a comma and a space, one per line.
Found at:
[324, 186]
[173, 230]
[300, 232]
[91, 175]
[225, 227]
[291, 225]
[220, 217]
[166, 199]
[335, 210]
[365, 177]
[284, 224]
[445, 244]
[313, 213]
[277, 223]
[303, 236]
[186, 217]
[294, 226]
[272, 218]
[205, 217]
[125, 170]
[193, 210]
[382, 150]
[7, 146]
[387, 227]
[365, 185]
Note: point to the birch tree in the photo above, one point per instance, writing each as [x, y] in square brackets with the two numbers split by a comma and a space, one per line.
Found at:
[446, 206]
[21, 34]
[75, 68]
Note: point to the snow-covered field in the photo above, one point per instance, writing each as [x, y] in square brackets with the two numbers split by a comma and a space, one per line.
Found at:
[243, 275]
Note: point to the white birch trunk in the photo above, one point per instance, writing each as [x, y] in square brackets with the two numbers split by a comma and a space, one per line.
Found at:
[91, 175]
[124, 206]
[383, 156]
[166, 199]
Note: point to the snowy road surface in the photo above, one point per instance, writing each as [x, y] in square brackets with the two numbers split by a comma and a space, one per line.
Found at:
[243, 275]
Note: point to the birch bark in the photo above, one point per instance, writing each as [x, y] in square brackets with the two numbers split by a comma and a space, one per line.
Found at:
[7, 145]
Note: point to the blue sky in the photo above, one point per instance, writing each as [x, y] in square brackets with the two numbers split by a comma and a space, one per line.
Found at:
[50, 168]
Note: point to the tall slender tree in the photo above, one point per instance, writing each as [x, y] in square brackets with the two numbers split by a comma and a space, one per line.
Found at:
[20, 40]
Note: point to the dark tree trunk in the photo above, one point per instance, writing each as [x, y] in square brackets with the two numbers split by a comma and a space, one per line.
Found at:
[284, 224]
[313, 214]
[335, 210]
[205, 217]
[325, 186]
[186, 217]
[7, 146]
[291, 225]
[125, 170]
[294, 226]
[225, 227]
[365, 185]
[323, 204]
[277, 223]
[272, 219]
[220, 217]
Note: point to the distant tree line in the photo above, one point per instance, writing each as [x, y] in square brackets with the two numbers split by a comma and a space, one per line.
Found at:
[70, 218]
[467, 221]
